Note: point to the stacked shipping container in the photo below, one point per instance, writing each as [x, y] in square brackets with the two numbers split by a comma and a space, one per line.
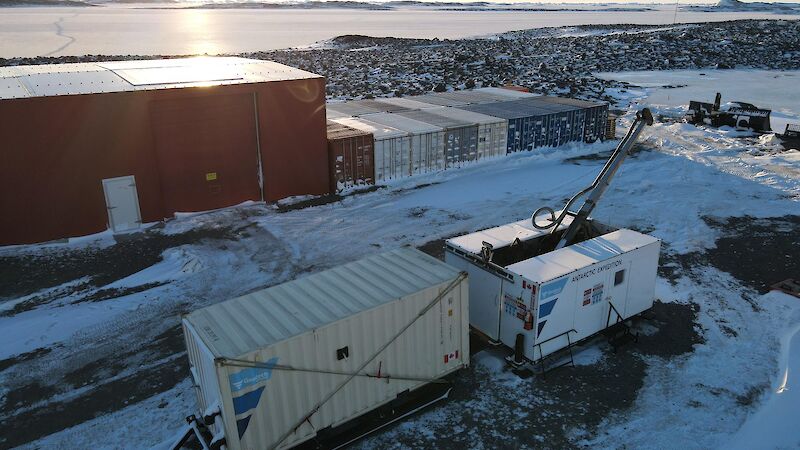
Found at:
[391, 147]
[350, 156]
[426, 145]
[460, 136]
[436, 131]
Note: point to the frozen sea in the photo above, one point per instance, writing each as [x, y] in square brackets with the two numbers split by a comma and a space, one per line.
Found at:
[149, 30]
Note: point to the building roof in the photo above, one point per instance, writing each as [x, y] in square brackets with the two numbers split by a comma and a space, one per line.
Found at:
[49, 80]
[237, 327]
[581, 255]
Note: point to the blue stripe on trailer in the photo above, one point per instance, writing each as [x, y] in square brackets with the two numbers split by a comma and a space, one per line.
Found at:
[247, 401]
[241, 425]
[540, 326]
[546, 308]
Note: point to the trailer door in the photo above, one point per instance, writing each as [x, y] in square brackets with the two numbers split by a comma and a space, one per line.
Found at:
[618, 291]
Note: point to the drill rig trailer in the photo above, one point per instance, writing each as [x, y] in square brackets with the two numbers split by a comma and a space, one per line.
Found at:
[539, 288]
[555, 299]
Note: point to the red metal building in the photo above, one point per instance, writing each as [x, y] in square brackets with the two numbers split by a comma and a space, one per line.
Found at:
[92, 146]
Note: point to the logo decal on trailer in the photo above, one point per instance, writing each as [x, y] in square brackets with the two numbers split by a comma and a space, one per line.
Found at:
[553, 288]
[244, 404]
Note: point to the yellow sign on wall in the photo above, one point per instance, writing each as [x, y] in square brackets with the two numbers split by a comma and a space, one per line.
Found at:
[211, 176]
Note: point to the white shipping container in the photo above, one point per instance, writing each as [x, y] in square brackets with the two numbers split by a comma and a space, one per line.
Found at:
[405, 103]
[392, 147]
[269, 359]
[427, 141]
[559, 297]
[492, 131]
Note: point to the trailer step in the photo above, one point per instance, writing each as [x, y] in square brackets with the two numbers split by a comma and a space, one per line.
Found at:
[620, 334]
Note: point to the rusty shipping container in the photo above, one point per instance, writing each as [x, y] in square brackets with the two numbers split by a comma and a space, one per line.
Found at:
[93, 146]
[350, 157]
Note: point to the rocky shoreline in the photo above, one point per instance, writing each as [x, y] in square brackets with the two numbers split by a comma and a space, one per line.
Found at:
[545, 60]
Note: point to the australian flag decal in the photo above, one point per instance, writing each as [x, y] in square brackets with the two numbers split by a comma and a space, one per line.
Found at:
[246, 402]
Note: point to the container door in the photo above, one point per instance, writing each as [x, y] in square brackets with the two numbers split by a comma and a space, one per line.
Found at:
[122, 203]
[485, 292]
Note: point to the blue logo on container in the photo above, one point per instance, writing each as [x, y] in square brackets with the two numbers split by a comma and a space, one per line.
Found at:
[252, 376]
[244, 404]
[553, 288]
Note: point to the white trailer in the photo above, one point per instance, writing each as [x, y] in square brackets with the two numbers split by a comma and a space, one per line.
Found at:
[281, 364]
[540, 288]
[555, 299]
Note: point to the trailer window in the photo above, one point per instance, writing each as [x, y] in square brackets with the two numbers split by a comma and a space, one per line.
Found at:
[619, 277]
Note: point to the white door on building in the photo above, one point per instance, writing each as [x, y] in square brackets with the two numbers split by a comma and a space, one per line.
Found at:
[122, 203]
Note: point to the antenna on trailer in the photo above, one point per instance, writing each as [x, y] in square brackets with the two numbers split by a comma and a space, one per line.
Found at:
[597, 188]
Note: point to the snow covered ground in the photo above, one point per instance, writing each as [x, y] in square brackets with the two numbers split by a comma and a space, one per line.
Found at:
[116, 381]
[671, 91]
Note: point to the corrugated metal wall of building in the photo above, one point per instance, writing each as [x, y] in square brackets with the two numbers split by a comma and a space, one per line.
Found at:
[350, 157]
[188, 149]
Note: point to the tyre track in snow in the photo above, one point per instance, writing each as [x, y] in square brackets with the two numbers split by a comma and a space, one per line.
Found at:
[60, 32]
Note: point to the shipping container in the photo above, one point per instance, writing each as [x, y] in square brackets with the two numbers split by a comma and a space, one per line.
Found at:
[596, 118]
[350, 109]
[350, 154]
[492, 131]
[94, 146]
[406, 102]
[460, 136]
[427, 141]
[283, 363]
[507, 92]
[437, 100]
[534, 122]
[333, 114]
[391, 147]
[382, 106]
[546, 300]
[471, 97]
[567, 124]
